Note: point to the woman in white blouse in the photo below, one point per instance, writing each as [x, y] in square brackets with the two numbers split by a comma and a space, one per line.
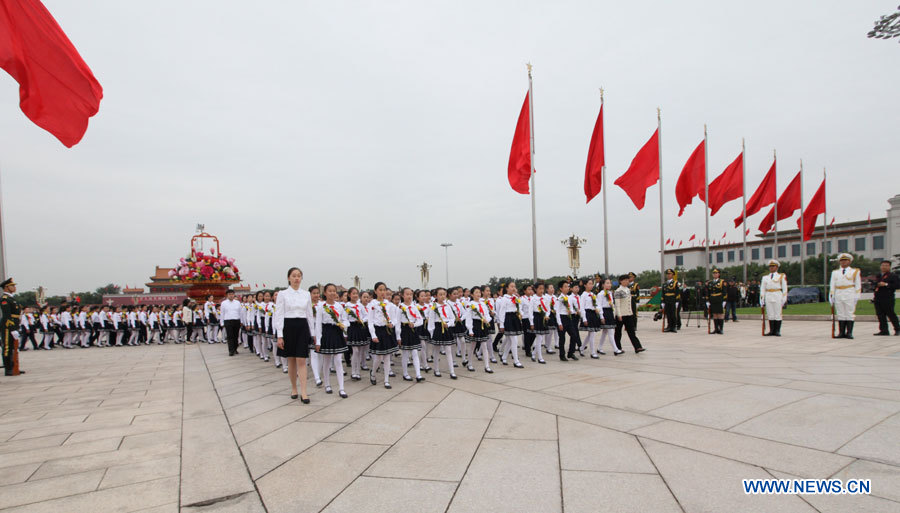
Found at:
[294, 327]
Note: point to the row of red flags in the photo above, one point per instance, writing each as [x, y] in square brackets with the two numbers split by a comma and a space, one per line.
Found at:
[644, 172]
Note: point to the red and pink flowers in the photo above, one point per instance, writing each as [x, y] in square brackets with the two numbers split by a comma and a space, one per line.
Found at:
[203, 267]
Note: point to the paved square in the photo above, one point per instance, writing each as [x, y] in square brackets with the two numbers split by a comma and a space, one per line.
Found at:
[169, 428]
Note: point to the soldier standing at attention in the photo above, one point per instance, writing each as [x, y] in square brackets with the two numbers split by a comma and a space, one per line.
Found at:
[9, 331]
[885, 286]
[843, 294]
[635, 296]
[773, 296]
[715, 303]
[671, 298]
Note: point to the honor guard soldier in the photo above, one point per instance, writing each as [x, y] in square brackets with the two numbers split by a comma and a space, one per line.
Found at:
[671, 298]
[715, 302]
[9, 330]
[773, 296]
[635, 296]
[843, 294]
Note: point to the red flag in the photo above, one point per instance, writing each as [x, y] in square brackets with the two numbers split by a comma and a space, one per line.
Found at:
[519, 170]
[642, 173]
[57, 90]
[703, 242]
[593, 170]
[668, 241]
[815, 207]
[727, 186]
[256, 285]
[832, 222]
[724, 234]
[693, 236]
[764, 196]
[691, 181]
[747, 231]
[870, 218]
[680, 243]
[787, 204]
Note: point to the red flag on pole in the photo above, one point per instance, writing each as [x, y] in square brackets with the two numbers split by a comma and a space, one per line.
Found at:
[642, 173]
[870, 218]
[832, 222]
[593, 170]
[680, 243]
[747, 231]
[57, 90]
[788, 203]
[519, 170]
[693, 236]
[691, 181]
[727, 186]
[667, 241]
[815, 207]
[764, 196]
[724, 234]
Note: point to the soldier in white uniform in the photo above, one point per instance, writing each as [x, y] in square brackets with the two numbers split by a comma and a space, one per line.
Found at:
[843, 293]
[773, 295]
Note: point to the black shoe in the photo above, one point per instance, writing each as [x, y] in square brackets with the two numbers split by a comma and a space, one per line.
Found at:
[328, 390]
[453, 376]
[619, 353]
[882, 334]
[387, 385]
[407, 378]
[391, 374]
[420, 379]
[294, 396]
[304, 400]
[437, 373]
[518, 366]
[640, 350]
[319, 383]
[372, 379]
[573, 357]
[563, 358]
[342, 394]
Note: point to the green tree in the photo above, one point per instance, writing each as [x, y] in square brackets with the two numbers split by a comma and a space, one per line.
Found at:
[109, 288]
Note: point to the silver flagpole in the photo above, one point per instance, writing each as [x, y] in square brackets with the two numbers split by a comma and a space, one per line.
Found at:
[775, 224]
[533, 217]
[662, 246]
[825, 228]
[744, 197]
[706, 195]
[603, 186]
[802, 266]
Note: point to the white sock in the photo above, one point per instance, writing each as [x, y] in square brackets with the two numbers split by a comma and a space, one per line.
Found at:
[415, 362]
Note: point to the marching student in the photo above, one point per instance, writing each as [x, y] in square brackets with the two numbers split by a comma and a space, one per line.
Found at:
[440, 326]
[187, 317]
[487, 350]
[568, 314]
[552, 338]
[459, 328]
[65, 324]
[410, 344]
[153, 326]
[331, 324]
[133, 327]
[117, 327]
[44, 320]
[212, 322]
[294, 327]
[625, 317]
[96, 327]
[357, 332]
[607, 311]
[266, 331]
[314, 361]
[177, 324]
[512, 320]
[478, 319]
[364, 299]
[143, 325]
[384, 328]
[423, 303]
[540, 321]
[590, 317]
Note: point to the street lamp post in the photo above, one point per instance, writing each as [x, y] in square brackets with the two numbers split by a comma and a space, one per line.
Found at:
[446, 245]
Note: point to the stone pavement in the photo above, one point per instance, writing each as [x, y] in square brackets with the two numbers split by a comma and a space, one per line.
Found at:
[163, 428]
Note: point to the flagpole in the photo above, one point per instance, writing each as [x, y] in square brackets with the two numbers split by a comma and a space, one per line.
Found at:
[706, 196]
[802, 266]
[2, 240]
[775, 224]
[824, 227]
[744, 197]
[662, 248]
[531, 188]
[603, 186]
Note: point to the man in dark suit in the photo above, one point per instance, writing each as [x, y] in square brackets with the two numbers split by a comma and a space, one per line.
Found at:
[885, 285]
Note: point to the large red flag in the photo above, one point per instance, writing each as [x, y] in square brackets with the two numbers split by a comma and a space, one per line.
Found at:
[691, 181]
[727, 186]
[788, 203]
[520, 153]
[642, 173]
[593, 171]
[57, 90]
[815, 207]
[764, 196]
[693, 236]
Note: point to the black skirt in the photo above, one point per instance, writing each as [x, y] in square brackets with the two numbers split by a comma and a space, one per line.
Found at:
[593, 320]
[296, 338]
[480, 332]
[332, 341]
[409, 338]
[551, 321]
[387, 341]
[609, 319]
[512, 324]
[715, 304]
[459, 328]
[443, 336]
[422, 332]
[539, 324]
[358, 335]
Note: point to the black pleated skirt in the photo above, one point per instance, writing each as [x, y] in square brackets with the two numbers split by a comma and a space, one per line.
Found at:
[296, 338]
[512, 325]
[387, 341]
[539, 324]
[593, 320]
[480, 332]
[409, 338]
[422, 332]
[443, 336]
[358, 335]
[332, 341]
[609, 319]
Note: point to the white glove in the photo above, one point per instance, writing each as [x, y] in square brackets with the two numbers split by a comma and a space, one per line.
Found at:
[707, 304]
[831, 300]
[723, 304]
[662, 304]
[15, 335]
[676, 305]
[783, 302]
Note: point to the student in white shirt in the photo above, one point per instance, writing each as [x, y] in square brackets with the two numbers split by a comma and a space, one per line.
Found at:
[478, 320]
[512, 317]
[440, 324]
[294, 327]
[358, 337]
[607, 313]
[331, 326]
[410, 343]
[384, 328]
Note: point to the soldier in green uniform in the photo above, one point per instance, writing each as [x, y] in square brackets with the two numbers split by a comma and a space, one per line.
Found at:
[9, 330]
[635, 297]
[671, 300]
[715, 303]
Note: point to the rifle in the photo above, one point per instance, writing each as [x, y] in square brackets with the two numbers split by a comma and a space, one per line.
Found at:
[763, 308]
[708, 321]
[832, 321]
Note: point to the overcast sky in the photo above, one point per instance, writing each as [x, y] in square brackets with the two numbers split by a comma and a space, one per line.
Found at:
[355, 137]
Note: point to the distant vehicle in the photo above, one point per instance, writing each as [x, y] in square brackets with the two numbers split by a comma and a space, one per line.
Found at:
[799, 295]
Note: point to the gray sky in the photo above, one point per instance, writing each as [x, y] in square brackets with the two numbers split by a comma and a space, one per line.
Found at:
[355, 137]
